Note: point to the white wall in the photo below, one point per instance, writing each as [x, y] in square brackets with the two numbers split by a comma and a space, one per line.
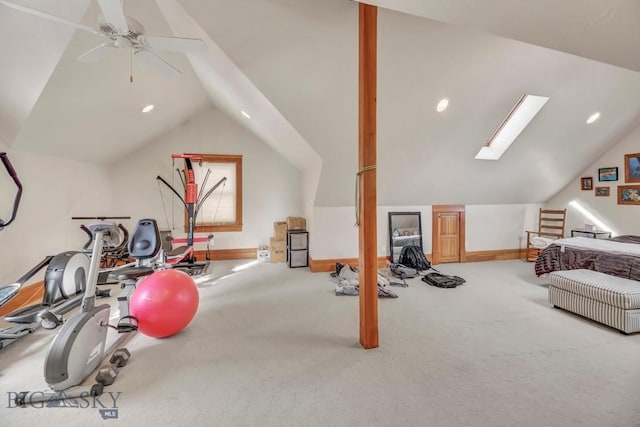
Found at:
[272, 187]
[488, 227]
[54, 190]
[584, 207]
[491, 227]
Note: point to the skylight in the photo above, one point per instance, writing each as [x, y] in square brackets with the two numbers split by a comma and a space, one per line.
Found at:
[522, 113]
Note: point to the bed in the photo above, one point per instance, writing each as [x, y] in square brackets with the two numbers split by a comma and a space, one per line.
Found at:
[619, 256]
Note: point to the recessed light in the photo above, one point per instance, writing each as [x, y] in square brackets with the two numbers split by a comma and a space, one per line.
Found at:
[147, 108]
[592, 118]
[442, 105]
[245, 114]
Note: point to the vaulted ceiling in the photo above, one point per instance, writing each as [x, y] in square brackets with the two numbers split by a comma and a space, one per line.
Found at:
[294, 62]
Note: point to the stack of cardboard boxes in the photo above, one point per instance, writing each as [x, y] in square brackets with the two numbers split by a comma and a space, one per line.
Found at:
[278, 243]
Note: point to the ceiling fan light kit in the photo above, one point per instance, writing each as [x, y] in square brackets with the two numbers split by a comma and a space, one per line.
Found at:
[124, 32]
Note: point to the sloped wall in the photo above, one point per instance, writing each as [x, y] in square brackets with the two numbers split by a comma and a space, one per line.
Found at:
[272, 187]
[54, 190]
[584, 207]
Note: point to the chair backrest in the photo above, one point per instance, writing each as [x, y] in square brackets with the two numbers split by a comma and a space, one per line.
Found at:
[145, 242]
[551, 223]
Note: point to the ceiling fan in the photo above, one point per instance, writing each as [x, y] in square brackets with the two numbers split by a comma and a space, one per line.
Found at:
[123, 31]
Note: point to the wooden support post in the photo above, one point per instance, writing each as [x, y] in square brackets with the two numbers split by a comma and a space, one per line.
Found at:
[367, 203]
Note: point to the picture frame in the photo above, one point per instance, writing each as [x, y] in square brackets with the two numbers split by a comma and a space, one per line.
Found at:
[586, 183]
[608, 174]
[632, 167]
[629, 194]
[602, 191]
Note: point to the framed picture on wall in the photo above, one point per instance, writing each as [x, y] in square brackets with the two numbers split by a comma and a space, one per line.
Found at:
[608, 174]
[632, 167]
[629, 194]
[586, 183]
[602, 191]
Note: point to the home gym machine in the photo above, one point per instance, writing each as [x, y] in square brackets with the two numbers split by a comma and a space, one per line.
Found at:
[88, 337]
[192, 201]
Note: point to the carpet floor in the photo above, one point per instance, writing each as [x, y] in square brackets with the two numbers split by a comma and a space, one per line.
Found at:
[273, 346]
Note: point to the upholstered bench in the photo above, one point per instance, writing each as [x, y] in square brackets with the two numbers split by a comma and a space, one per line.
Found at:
[607, 299]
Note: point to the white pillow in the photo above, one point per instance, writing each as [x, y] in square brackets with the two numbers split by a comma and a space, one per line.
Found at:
[541, 242]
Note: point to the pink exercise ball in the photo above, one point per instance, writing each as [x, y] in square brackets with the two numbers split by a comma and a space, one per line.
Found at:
[164, 303]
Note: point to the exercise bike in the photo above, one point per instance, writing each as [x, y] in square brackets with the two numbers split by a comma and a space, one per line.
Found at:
[83, 341]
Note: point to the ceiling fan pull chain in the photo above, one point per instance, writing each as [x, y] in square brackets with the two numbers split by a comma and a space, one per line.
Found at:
[130, 65]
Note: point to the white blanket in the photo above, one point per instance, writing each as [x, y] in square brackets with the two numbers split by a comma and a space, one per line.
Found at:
[600, 245]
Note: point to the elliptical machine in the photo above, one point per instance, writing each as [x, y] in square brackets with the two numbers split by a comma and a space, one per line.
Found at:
[64, 284]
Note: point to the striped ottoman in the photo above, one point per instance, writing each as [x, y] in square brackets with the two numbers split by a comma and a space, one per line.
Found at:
[607, 299]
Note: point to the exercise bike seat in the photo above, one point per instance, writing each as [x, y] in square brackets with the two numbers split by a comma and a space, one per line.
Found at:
[144, 244]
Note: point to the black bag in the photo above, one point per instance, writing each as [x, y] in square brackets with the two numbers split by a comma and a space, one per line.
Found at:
[413, 257]
[442, 280]
[402, 271]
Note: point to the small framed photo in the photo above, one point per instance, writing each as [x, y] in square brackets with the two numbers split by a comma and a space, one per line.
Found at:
[586, 183]
[629, 194]
[632, 167]
[608, 174]
[602, 191]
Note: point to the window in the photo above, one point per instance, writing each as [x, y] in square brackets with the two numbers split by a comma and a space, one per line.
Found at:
[222, 210]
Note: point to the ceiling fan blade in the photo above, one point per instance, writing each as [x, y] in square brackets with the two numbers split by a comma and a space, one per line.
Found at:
[158, 63]
[48, 16]
[114, 14]
[97, 53]
[175, 44]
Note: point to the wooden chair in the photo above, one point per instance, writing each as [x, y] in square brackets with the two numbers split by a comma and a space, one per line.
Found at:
[550, 227]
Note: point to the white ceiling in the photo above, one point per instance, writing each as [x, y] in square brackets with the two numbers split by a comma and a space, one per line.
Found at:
[604, 30]
[91, 111]
[301, 57]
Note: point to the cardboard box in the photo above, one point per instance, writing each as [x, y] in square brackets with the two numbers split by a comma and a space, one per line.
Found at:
[278, 250]
[296, 223]
[280, 230]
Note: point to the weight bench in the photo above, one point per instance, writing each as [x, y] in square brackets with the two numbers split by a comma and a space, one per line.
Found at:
[613, 301]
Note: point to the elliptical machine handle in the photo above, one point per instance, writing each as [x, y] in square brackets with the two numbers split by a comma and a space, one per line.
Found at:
[9, 167]
[12, 172]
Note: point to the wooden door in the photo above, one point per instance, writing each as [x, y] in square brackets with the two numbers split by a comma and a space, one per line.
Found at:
[448, 234]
